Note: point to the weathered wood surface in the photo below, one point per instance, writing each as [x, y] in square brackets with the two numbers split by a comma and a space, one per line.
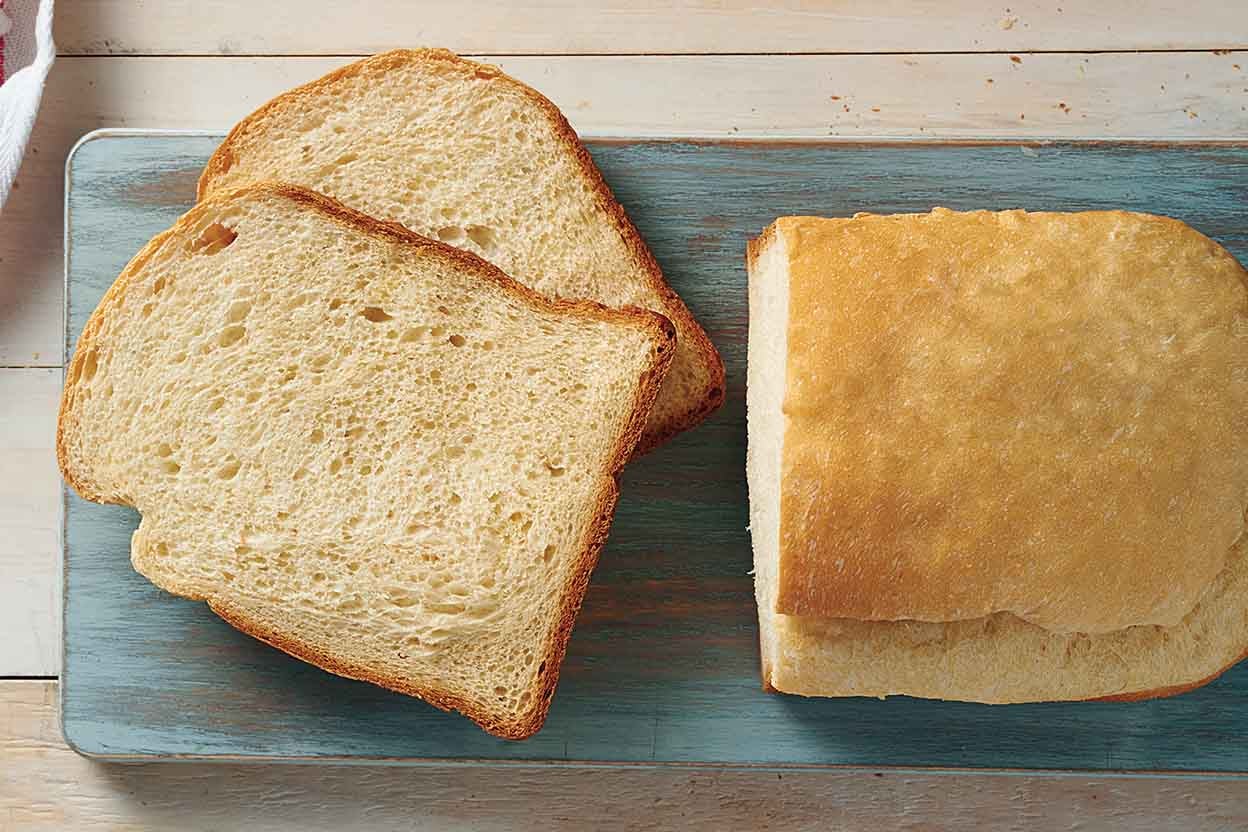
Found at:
[30, 488]
[45, 787]
[663, 663]
[1162, 95]
[291, 27]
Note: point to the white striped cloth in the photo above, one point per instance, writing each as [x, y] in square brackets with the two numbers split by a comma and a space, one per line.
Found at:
[26, 53]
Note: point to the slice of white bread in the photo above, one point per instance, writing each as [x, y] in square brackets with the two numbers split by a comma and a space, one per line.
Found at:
[997, 457]
[457, 151]
[373, 451]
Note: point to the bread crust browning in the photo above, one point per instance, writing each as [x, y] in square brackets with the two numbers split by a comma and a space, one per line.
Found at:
[1004, 658]
[662, 334]
[1169, 690]
[755, 247]
[1138, 695]
[693, 337]
[941, 516]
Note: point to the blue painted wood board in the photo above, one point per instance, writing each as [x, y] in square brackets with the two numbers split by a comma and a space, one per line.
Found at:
[663, 665]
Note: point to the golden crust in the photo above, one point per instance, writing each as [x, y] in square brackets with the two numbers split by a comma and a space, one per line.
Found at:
[981, 404]
[1168, 690]
[596, 533]
[831, 685]
[693, 337]
[754, 248]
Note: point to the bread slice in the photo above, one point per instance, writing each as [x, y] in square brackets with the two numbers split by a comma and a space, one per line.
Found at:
[457, 151]
[371, 450]
[1006, 464]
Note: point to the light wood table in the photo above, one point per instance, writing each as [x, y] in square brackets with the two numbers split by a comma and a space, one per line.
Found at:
[702, 68]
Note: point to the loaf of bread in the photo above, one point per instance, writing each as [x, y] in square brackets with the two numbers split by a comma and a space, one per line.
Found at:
[997, 457]
[371, 450]
[457, 151]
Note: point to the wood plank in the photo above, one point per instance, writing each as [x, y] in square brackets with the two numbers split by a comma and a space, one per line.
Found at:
[186, 27]
[663, 664]
[29, 536]
[1160, 95]
[46, 787]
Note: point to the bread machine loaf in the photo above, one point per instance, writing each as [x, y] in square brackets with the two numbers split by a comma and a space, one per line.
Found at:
[997, 457]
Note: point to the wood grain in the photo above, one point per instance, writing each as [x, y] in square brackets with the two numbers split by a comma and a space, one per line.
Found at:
[45, 787]
[186, 27]
[663, 665]
[29, 538]
[1161, 95]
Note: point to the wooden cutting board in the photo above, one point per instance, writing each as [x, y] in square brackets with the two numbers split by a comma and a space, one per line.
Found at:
[663, 665]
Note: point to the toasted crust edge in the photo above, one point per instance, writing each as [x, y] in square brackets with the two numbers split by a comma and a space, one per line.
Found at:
[1168, 690]
[673, 306]
[662, 332]
[1163, 692]
[755, 247]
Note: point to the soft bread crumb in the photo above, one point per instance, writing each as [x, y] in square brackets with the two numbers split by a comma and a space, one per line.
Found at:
[1171, 299]
[370, 450]
[460, 152]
